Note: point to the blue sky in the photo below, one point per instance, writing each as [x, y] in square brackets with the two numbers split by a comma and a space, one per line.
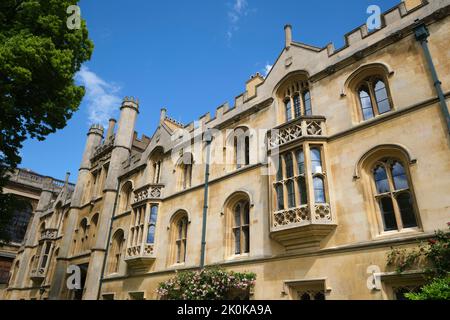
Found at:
[188, 56]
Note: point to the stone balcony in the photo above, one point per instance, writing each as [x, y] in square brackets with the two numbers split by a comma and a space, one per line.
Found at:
[37, 274]
[148, 192]
[140, 257]
[303, 127]
[301, 228]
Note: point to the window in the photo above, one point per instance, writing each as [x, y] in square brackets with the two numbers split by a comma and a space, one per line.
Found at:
[307, 290]
[185, 167]
[296, 99]
[116, 251]
[241, 228]
[241, 147]
[45, 255]
[374, 98]
[152, 224]
[155, 165]
[311, 295]
[393, 195]
[318, 178]
[179, 227]
[17, 228]
[125, 197]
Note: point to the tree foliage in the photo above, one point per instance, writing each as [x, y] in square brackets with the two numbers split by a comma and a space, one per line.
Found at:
[39, 57]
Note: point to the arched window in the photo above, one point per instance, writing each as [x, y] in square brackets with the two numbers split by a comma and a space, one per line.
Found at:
[185, 168]
[296, 98]
[374, 97]
[241, 227]
[179, 232]
[126, 197]
[83, 235]
[116, 251]
[155, 165]
[394, 195]
[241, 147]
[318, 178]
[17, 227]
[93, 229]
[152, 224]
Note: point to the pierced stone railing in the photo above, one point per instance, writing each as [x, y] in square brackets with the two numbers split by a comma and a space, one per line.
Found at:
[49, 234]
[148, 192]
[37, 274]
[296, 129]
[140, 257]
[291, 216]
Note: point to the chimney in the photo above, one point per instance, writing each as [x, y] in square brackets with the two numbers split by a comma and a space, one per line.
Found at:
[288, 35]
[163, 114]
[111, 127]
[66, 180]
[411, 4]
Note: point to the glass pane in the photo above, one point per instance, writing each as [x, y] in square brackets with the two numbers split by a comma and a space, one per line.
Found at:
[399, 176]
[305, 297]
[301, 162]
[246, 214]
[151, 234]
[302, 190]
[366, 105]
[180, 229]
[246, 235]
[307, 103]
[388, 215]
[291, 194]
[247, 150]
[319, 191]
[280, 197]
[153, 214]
[381, 179]
[288, 109]
[297, 107]
[237, 241]
[289, 166]
[405, 204]
[382, 98]
[319, 296]
[280, 170]
[316, 160]
[237, 216]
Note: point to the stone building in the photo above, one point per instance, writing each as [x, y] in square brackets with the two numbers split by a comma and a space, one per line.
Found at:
[27, 186]
[308, 180]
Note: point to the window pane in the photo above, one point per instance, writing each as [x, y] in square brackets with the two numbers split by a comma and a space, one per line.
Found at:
[153, 214]
[316, 160]
[319, 191]
[319, 296]
[237, 216]
[280, 198]
[246, 216]
[246, 235]
[297, 107]
[405, 204]
[388, 215]
[399, 176]
[247, 150]
[151, 234]
[280, 170]
[301, 162]
[302, 190]
[382, 97]
[288, 108]
[366, 105]
[305, 297]
[307, 103]
[237, 240]
[289, 166]
[381, 180]
[291, 194]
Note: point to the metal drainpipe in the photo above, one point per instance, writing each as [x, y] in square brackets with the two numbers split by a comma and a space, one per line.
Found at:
[208, 139]
[421, 32]
[109, 240]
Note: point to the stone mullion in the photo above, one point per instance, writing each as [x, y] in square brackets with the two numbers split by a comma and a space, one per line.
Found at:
[295, 180]
[309, 181]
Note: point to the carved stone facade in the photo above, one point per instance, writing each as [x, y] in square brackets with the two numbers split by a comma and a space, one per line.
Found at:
[311, 177]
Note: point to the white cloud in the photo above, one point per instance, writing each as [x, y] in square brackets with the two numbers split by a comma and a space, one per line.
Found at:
[101, 97]
[237, 10]
[267, 69]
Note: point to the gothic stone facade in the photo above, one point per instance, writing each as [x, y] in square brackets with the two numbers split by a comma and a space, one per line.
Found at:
[327, 162]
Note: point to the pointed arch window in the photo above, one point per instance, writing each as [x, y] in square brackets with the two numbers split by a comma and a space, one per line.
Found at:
[374, 97]
[185, 167]
[241, 227]
[241, 147]
[181, 241]
[394, 195]
[296, 99]
[116, 251]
